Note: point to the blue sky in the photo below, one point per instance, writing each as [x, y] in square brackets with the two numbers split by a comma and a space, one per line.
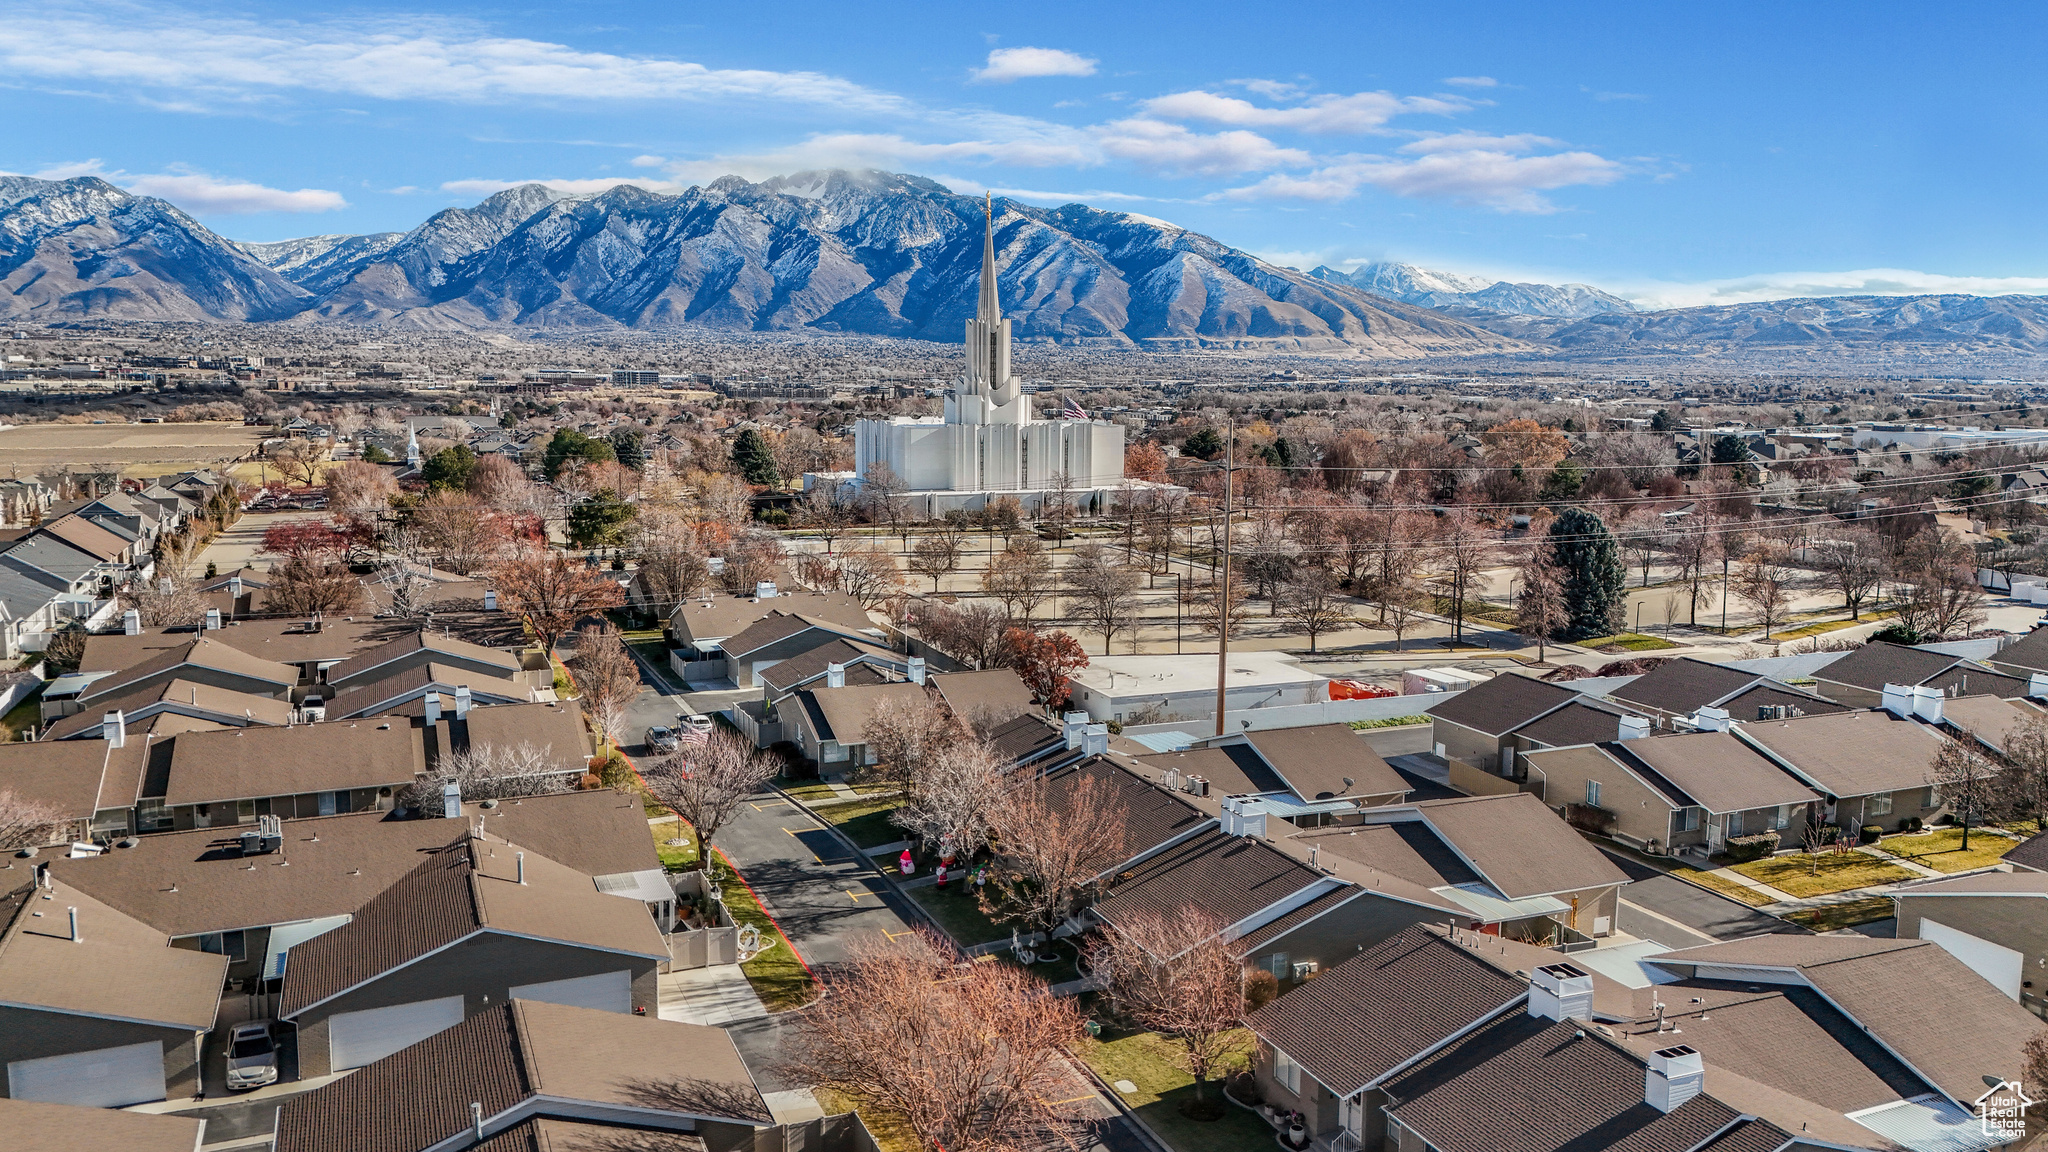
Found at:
[1679, 154]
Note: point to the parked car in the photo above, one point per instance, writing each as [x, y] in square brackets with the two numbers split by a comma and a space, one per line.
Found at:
[697, 720]
[661, 739]
[252, 1057]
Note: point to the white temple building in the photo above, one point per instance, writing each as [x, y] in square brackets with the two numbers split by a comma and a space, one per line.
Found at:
[988, 444]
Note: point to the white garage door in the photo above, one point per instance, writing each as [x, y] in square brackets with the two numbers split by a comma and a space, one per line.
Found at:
[1994, 962]
[107, 1078]
[608, 991]
[358, 1038]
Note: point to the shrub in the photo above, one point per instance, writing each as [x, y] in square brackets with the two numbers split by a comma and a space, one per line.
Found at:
[1897, 634]
[616, 773]
[1870, 834]
[1589, 818]
[1913, 824]
[775, 516]
[1743, 849]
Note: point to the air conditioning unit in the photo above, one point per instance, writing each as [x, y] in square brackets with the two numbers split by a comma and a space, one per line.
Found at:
[1304, 969]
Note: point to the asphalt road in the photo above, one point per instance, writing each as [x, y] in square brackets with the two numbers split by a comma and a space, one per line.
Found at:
[1667, 899]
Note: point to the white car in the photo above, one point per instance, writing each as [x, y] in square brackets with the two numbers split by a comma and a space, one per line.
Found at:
[252, 1057]
[697, 720]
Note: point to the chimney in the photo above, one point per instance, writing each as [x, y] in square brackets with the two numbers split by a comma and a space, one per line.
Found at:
[1071, 724]
[433, 702]
[213, 619]
[1634, 727]
[451, 799]
[131, 624]
[461, 701]
[75, 938]
[490, 599]
[1242, 817]
[1927, 704]
[1674, 1075]
[1711, 720]
[519, 862]
[2037, 685]
[764, 590]
[114, 726]
[234, 587]
[476, 1118]
[835, 675]
[1898, 699]
[917, 669]
[1560, 992]
[1094, 739]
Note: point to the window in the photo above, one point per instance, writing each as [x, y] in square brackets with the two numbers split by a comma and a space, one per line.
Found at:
[1735, 824]
[1931, 800]
[1024, 461]
[1877, 805]
[228, 944]
[1685, 820]
[1784, 819]
[245, 811]
[1592, 793]
[1277, 965]
[1286, 1071]
[151, 816]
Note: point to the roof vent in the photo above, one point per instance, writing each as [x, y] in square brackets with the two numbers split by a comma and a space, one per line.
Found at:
[1560, 992]
[1927, 704]
[1634, 727]
[1711, 720]
[1898, 699]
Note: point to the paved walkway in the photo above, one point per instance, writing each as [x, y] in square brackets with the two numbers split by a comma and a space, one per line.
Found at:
[716, 994]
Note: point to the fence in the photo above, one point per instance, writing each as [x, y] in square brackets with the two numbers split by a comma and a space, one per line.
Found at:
[1300, 715]
[714, 943]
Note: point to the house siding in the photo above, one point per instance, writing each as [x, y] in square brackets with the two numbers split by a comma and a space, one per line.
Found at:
[1641, 813]
[1467, 746]
[482, 970]
[28, 1034]
[2017, 922]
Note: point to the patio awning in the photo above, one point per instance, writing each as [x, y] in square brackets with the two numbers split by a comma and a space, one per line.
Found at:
[1490, 907]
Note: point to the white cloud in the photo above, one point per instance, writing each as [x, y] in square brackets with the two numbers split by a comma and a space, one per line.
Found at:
[216, 59]
[1491, 177]
[648, 161]
[1007, 64]
[1475, 141]
[1793, 285]
[1271, 89]
[969, 186]
[1472, 81]
[1173, 148]
[202, 194]
[1359, 112]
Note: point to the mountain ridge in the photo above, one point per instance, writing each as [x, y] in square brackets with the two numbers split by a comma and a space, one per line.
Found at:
[1459, 295]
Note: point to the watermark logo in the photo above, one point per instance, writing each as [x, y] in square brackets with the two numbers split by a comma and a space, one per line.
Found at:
[2003, 1111]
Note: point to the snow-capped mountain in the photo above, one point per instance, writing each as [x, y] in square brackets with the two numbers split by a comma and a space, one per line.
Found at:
[82, 248]
[1412, 285]
[312, 262]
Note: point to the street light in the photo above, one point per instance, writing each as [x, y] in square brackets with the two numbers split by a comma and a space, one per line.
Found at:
[1175, 577]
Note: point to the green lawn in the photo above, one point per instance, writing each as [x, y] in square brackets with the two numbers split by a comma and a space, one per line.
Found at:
[959, 913]
[778, 976]
[813, 792]
[1794, 876]
[1942, 848]
[1822, 627]
[675, 857]
[1389, 722]
[1833, 916]
[1147, 1060]
[24, 717]
[866, 823]
[891, 1134]
[1724, 886]
[1632, 641]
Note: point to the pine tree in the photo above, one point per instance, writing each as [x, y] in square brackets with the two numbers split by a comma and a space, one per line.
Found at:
[753, 460]
[1588, 559]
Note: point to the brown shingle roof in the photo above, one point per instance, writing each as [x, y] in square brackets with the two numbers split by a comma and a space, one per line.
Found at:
[243, 763]
[64, 773]
[1743, 705]
[1231, 770]
[816, 662]
[1408, 849]
[1715, 771]
[1316, 760]
[2032, 853]
[364, 697]
[841, 713]
[361, 665]
[32, 1126]
[995, 694]
[1580, 722]
[200, 652]
[1151, 816]
[1879, 663]
[545, 1134]
[598, 833]
[1231, 877]
[1505, 702]
[118, 967]
[189, 695]
[468, 887]
[502, 1056]
[2029, 653]
[1988, 718]
[1852, 753]
[1362, 1018]
[1520, 846]
[1683, 685]
[731, 615]
[546, 724]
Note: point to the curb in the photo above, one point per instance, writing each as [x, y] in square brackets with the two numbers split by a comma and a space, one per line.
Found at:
[1138, 1126]
[854, 850]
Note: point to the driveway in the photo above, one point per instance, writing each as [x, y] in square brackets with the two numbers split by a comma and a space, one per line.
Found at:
[1654, 903]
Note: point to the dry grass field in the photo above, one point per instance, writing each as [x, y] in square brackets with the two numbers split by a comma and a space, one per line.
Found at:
[133, 449]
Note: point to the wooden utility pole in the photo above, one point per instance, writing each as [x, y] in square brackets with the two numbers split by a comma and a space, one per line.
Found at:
[1223, 589]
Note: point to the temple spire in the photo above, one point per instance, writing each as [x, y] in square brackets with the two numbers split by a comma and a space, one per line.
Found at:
[990, 310]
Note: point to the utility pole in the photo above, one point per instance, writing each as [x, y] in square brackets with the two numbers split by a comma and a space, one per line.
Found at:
[1223, 589]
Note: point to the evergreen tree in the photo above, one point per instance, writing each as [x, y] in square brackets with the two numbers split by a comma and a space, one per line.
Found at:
[1588, 561]
[1664, 421]
[754, 462]
[449, 468]
[627, 446]
[567, 444]
[1203, 445]
[599, 520]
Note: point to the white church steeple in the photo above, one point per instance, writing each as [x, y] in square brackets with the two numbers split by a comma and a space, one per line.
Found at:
[986, 393]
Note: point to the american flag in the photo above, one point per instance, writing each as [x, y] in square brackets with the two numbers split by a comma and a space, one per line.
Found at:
[1073, 411]
[688, 735]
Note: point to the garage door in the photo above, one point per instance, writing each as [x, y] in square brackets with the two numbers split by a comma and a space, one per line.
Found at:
[609, 991]
[358, 1038]
[106, 1078]
[1994, 962]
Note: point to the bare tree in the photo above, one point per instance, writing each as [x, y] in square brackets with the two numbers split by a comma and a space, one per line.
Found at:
[1965, 780]
[826, 511]
[706, 783]
[969, 631]
[1765, 582]
[456, 526]
[308, 586]
[1056, 504]
[1540, 609]
[1107, 591]
[672, 563]
[172, 597]
[1400, 607]
[298, 461]
[881, 492]
[2023, 786]
[752, 558]
[492, 772]
[27, 823]
[1312, 601]
[1462, 550]
[905, 735]
[1202, 606]
[1851, 563]
[870, 575]
[1180, 977]
[606, 676]
[1944, 599]
[553, 593]
[951, 794]
[1018, 576]
[966, 1057]
[937, 553]
[1054, 836]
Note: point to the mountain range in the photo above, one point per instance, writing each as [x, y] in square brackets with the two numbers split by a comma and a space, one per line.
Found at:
[1460, 295]
[876, 253]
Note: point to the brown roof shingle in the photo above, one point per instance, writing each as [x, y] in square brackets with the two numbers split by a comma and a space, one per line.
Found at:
[1503, 703]
[1324, 761]
[1852, 753]
[1520, 846]
[243, 763]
